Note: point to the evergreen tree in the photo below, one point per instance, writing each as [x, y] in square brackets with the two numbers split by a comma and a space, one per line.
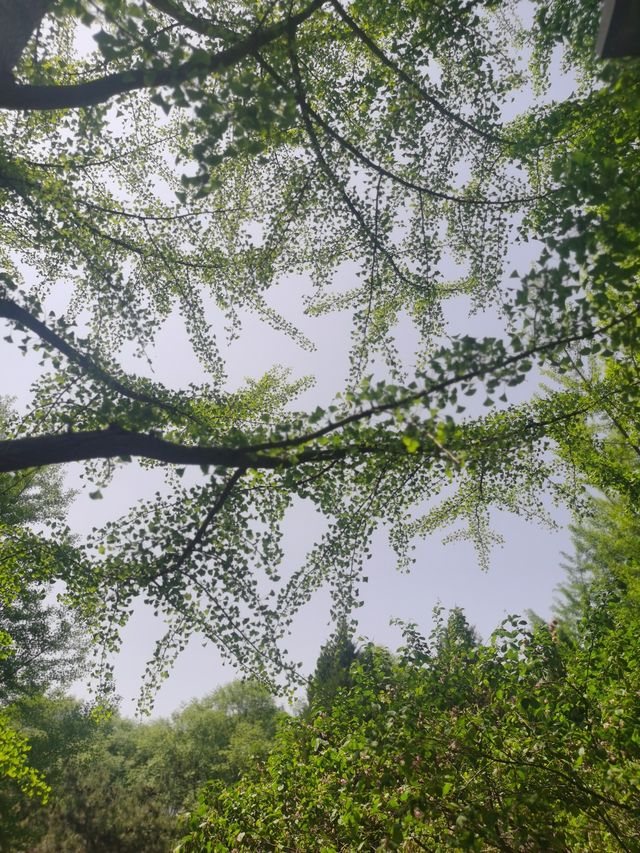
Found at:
[333, 667]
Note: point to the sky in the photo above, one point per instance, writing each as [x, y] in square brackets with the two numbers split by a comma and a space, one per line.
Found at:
[523, 571]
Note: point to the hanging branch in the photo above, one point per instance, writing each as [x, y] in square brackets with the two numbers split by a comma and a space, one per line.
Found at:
[10, 310]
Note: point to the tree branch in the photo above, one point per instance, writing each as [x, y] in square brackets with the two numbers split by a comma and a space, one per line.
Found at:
[35, 451]
[15, 96]
[392, 66]
[332, 177]
[476, 372]
[192, 22]
[215, 509]
[18, 22]
[10, 310]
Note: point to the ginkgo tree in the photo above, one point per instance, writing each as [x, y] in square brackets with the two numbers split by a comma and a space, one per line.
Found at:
[199, 154]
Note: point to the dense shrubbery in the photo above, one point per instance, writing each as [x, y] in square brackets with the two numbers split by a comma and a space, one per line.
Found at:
[528, 742]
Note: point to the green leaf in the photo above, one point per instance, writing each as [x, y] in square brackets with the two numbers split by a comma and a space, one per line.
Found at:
[412, 444]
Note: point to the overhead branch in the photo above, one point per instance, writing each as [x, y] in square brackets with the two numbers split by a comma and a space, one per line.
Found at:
[302, 103]
[477, 372]
[16, 96]
[18, 22]
[209, 517]
[381, 170]
[377, 51]
[10, 310]
[197, 24]
[114, 442]
[36, 451]
[18, 454]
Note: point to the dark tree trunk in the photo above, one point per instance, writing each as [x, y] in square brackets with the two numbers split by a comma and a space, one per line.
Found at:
[19, 19]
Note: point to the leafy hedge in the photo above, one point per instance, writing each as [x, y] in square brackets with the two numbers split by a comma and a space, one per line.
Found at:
[530, 742]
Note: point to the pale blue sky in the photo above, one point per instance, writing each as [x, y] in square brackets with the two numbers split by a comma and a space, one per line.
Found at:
[523, 573]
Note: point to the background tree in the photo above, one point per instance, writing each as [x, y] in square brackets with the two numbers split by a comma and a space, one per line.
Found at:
[118, 785]
[41, 645]
[529, 739]
[47, 648]
[605, 557]
[333, 667]
[509, 747]
[56, 729]
[43, 642]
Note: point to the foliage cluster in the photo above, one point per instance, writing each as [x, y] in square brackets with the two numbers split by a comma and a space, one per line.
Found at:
[41, 645]
[117, 786]
[198, 156]
[528, 742]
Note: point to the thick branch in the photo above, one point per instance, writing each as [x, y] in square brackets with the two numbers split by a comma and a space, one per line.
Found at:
[22, 453]
[15, 96]
[18, 454]
[18, 22]
[35, 451]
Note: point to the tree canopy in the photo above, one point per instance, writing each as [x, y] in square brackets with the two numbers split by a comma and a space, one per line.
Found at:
[118, 784]
[195, 156]
[41, 646]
